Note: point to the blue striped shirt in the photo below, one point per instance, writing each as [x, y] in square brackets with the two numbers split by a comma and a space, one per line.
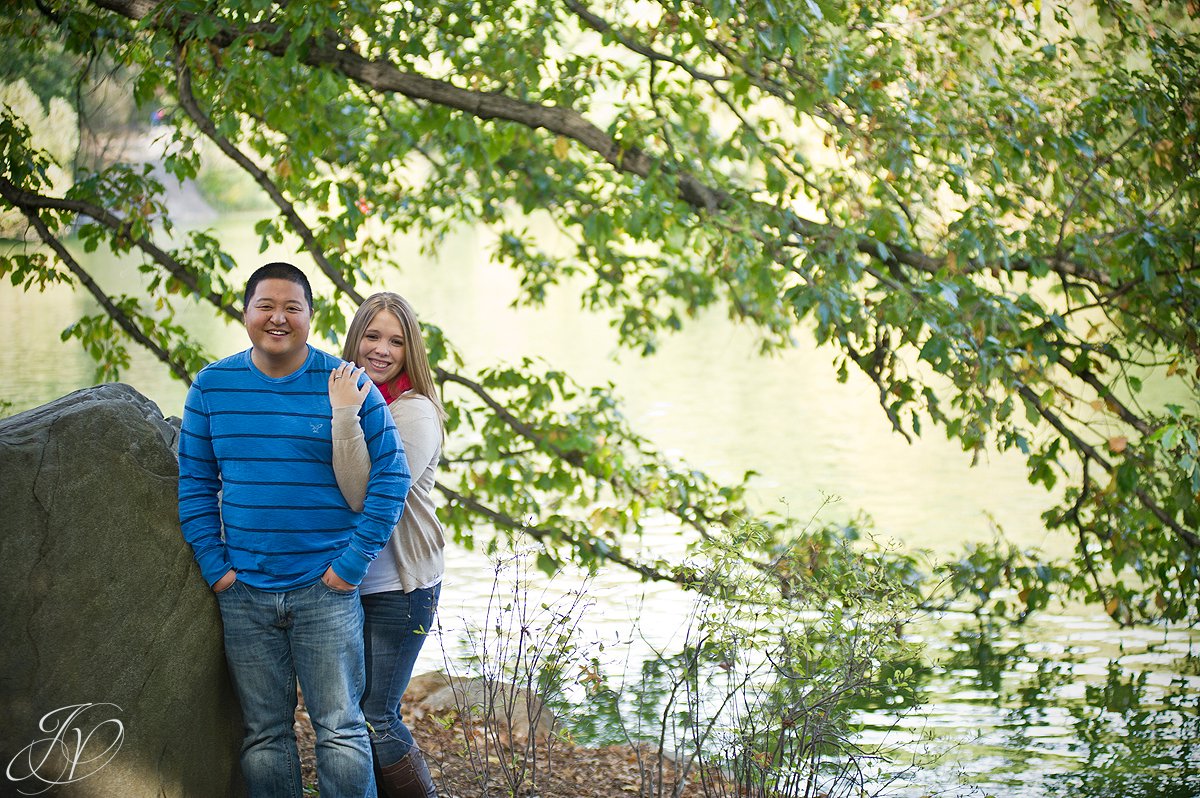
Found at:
[257, 491]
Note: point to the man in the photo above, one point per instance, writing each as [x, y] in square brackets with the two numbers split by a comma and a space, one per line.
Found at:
[260, 506]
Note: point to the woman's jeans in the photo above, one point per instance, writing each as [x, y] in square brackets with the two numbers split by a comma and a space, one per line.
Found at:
[395, 627]
[314, 633]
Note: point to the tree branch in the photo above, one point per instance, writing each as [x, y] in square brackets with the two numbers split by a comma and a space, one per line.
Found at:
[1190, 538]
[698, 520]
[127, 324]
[542, 534]
[603, 26]
[1103, 391]
[188, 101]
[336, 54]
[28, 201]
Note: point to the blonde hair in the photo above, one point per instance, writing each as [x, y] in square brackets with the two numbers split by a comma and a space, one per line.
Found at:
[416, 359]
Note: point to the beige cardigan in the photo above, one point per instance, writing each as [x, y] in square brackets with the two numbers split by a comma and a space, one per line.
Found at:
[413, 556]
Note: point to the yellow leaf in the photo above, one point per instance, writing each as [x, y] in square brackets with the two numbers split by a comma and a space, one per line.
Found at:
[561, 146]
[1112, 606]
[1098, 404]
[1117, 443]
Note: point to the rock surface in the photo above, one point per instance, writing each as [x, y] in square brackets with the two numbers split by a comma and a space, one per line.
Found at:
[512, 711]
[112, 673]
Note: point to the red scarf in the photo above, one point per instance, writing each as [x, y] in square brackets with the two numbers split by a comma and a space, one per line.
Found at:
[398, 386]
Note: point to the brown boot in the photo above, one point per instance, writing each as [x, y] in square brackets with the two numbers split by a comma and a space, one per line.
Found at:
[408, 778]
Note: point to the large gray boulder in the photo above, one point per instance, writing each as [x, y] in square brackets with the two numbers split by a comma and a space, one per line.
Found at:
[112, 674]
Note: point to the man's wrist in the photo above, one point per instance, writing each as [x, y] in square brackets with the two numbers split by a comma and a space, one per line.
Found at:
[331, 579]
[351, 567]
[225, 582]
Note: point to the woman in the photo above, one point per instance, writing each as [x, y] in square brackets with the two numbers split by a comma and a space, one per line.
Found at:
[401, 588]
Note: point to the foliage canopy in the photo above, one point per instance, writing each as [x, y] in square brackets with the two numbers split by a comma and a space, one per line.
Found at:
[990, 209]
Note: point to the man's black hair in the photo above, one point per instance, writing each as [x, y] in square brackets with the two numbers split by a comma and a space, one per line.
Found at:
[278, 271]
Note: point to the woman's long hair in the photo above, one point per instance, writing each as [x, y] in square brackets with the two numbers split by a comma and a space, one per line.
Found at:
[416, 359]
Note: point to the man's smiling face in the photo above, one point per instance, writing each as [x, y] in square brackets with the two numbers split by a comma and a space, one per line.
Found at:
[277, 320]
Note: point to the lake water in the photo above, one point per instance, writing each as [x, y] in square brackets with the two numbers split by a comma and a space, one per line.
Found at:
[1069, 704]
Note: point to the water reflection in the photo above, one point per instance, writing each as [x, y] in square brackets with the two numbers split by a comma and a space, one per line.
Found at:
[1059, 711]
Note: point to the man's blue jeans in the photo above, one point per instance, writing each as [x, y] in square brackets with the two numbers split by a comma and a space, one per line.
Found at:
[313, 633]
[395, 628]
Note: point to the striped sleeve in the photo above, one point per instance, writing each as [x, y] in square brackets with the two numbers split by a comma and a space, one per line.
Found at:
[199, 488]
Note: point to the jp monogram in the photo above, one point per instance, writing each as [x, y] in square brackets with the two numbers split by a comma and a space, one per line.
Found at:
[83, 739]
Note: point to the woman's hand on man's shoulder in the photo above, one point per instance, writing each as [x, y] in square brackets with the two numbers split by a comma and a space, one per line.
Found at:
[348, 386]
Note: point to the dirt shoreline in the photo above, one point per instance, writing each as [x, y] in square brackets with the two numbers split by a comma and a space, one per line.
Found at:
[563, 769]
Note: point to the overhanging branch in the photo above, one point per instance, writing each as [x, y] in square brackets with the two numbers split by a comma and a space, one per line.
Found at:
[28, 201]
[330, 52]
[543, 534]
[1089, 452]
[188, 100]
[697, 519]
[115, 313]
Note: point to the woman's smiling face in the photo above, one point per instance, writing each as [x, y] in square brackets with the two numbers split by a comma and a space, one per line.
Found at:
[381, 350]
